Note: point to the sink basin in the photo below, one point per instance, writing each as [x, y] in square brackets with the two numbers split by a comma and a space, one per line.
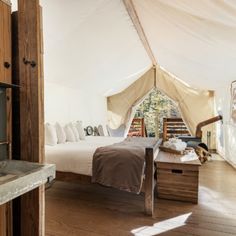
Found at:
[19, 177]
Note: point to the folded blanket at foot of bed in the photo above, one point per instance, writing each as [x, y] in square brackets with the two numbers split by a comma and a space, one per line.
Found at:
[121, 165]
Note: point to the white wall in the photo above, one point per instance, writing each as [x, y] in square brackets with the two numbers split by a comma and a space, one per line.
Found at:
[65, 104]
[91, 49]
[226, 132]
[91, 43]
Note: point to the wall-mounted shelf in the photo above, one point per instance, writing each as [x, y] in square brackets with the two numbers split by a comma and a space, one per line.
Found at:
[5, 85]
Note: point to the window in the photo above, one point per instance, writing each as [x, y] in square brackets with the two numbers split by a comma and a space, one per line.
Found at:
[153, 109]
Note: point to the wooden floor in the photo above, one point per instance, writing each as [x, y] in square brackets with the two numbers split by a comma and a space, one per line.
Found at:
[90, 210]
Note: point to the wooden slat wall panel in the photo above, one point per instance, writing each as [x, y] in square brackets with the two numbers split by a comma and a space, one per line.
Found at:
[8, 79]
[41, 85]
[7, 41]
[8, 71]
[5, 220]
[2, 79]
[2, 220]
[5, 77]
[9, 226]
[16, 114]
[174, 127]
[9, 121]
[16, 95]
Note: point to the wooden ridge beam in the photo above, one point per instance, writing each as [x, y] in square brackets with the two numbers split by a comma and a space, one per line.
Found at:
[137, 24]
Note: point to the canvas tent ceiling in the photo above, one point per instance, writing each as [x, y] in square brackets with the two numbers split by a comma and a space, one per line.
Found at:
[194, 40]
[95, 41]
[91, 42]
[122, 106]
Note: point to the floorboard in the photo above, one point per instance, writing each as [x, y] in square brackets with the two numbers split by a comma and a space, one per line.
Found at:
[92, 210]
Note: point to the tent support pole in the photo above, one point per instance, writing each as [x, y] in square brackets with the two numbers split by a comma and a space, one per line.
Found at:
[135, 19]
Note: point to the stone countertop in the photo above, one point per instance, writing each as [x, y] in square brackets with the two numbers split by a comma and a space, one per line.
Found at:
[19, 177]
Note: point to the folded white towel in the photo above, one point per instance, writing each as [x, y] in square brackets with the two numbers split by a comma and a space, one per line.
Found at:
[167, 144]
[175, 144]
[175, 140]
[179, 146]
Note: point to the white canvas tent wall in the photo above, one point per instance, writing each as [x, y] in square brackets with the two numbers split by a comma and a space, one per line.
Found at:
[195, 40]
[122, 106]
[92, 50]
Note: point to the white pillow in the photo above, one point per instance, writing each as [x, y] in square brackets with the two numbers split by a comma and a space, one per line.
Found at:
[75, 131]
[61, 135]
[80, 129]
[100, 130]
[70, 137]
[50, 135]
[119, 132]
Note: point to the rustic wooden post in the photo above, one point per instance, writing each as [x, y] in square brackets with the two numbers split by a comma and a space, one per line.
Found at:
[29, 104]
[149, 181]
[164, 129]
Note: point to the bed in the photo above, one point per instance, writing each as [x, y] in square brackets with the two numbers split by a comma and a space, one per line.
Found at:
[76, 157]
[74, 163]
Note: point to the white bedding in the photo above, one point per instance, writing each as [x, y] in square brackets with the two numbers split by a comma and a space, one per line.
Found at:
[77, 157]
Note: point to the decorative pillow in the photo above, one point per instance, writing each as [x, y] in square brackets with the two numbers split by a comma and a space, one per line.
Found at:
[70, 137]
[80, 129]
[100, 130]
[89, 130]
[75, 131]
[50, 135]
[61, 135]
[119, 132]
[95, 131]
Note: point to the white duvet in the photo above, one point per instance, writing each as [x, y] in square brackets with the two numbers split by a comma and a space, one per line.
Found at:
[77, 157]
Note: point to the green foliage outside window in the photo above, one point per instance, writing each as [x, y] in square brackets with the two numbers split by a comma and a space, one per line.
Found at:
[153, 109]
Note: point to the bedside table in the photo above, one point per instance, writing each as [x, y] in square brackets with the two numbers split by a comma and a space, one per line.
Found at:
[177, 176]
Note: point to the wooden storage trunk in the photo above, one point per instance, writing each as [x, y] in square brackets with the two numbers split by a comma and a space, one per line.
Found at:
[177, 180]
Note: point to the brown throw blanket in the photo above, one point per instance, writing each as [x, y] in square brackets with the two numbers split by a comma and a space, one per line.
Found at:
[121, 165]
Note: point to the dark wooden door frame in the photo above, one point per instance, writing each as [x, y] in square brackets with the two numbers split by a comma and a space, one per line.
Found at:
[6, 78]
[28, 125]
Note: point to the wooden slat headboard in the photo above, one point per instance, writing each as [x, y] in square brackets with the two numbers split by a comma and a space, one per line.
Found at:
[174, 127]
